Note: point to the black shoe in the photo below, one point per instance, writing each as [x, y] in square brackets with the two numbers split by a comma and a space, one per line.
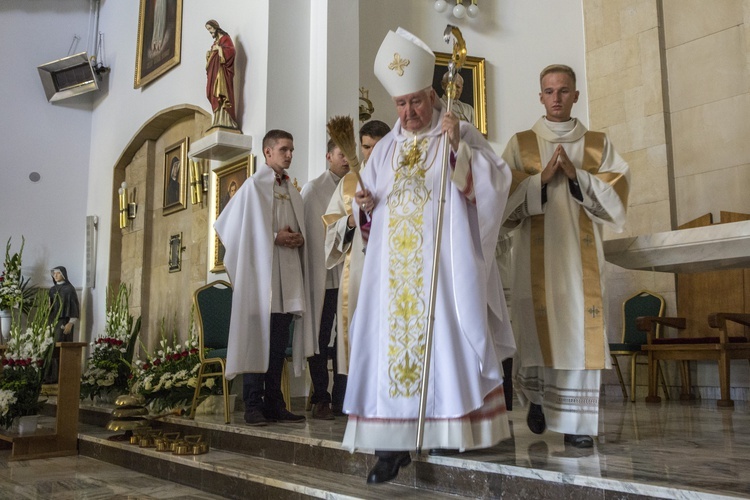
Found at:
[579, 440]
[387, 468]
[322, 411]
[337, 410]
[283, 416]
[255, 418]
[443, 452]
[535, 419]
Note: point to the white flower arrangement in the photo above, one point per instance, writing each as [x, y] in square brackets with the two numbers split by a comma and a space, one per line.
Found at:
[28, 354]
[167, 378]
[108, 368]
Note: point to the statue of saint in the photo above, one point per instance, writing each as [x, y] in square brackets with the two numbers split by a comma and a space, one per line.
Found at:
[220, 77]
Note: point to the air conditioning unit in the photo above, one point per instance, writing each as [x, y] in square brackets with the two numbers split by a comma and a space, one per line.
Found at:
[68, 77]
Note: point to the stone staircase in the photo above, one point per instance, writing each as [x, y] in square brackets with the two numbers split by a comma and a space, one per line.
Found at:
[306, 461]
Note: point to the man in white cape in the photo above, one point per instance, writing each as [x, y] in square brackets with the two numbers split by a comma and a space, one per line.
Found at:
[262, 228]
[568, 182]
[465, 402]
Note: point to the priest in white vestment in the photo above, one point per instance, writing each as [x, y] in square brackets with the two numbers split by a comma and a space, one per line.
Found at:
[324, 282]
[568, 183]
[465, 403]
[344, 247]
[263, 230]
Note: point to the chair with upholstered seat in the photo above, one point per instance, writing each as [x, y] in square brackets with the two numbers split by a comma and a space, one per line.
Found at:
[213, 306]
[643, 303]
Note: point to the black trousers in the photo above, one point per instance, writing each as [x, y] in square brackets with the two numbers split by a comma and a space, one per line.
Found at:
[262, 391]
[319, 363]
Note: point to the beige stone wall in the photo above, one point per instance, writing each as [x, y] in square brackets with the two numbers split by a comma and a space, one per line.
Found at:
[158, 294]
[706, 46]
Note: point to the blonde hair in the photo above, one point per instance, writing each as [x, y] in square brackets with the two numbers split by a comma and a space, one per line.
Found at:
[557, 68]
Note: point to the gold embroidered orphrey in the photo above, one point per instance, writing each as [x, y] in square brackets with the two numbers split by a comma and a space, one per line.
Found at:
[407, 309]
[398, 64]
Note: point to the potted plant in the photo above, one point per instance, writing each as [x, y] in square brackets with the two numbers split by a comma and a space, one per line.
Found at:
[108, 368]
[28, 353]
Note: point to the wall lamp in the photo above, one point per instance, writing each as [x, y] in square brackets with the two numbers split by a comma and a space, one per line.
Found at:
[198, 181]
[459, 11]
[128, 207]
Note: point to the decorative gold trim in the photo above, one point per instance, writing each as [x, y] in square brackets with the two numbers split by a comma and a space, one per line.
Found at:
[473, 69]
[147, 70]
[238, 171]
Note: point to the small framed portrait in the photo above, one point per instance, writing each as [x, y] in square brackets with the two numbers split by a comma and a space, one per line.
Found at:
[175, 253]
[175, 177]
[472, 101]
[229, 179]
[159, 39]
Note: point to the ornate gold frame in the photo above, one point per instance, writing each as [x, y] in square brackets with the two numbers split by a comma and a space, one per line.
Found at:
[473, 69]
[177, 150]
[238, 171]
[149, 67]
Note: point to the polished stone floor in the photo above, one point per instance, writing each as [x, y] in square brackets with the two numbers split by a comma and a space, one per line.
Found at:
[685, 450]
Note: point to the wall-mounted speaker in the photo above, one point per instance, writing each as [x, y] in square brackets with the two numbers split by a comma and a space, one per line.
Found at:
[68, 77]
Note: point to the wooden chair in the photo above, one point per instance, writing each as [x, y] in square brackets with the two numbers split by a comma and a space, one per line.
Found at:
[699, 297]
[213, 306]
[643, 303]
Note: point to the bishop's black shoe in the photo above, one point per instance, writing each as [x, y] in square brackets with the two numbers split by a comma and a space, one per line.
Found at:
[535, 419]
[579, 440]
[387, 468]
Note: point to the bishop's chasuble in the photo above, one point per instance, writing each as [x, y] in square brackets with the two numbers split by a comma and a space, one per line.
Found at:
[465, 403]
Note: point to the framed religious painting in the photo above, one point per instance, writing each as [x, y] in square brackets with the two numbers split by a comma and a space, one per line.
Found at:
[229, 179]
[175, 177]
[159, 39]
[472, 105]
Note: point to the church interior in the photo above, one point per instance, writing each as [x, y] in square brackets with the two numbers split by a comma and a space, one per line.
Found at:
[667, 80]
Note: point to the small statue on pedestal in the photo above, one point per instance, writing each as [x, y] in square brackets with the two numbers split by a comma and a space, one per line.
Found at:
[220, 78]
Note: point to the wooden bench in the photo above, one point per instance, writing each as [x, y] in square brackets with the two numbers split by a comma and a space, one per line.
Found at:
[722, 349]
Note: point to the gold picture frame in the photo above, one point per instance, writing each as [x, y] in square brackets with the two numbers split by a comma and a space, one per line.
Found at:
[229, 179]
[175, 177]
[475, 88]
[159, 39]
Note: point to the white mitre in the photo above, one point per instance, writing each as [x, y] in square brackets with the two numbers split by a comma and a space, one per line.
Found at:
[404, 64]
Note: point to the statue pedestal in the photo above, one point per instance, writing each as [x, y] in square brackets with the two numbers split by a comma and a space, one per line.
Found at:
[221, 145]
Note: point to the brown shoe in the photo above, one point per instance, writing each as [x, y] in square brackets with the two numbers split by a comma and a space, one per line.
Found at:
[322, 411]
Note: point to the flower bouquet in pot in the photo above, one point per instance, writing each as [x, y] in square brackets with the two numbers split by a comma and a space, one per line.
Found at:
[108, 367]
[167, 378]
[28, 353]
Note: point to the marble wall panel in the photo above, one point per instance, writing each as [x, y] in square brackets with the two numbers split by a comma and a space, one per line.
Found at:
[686, 20]
[713, 192]
[707, 69]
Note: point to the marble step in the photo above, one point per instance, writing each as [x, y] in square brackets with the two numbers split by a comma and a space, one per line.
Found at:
[236, 475]
[525, 466]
